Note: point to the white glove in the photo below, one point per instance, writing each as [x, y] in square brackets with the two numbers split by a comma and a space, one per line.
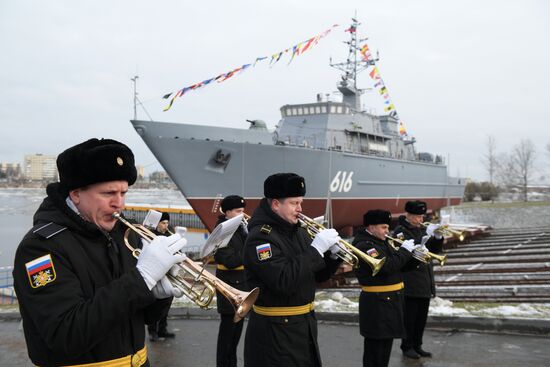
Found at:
[334, 250]
[431, 230]
[422, 249]
[165, 289]
[158, 257]
[325, 239]
[409, 245]
[180, 230]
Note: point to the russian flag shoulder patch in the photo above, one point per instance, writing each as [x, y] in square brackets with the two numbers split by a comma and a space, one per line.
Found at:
[372, 252]
[40, 271]
[263, 251]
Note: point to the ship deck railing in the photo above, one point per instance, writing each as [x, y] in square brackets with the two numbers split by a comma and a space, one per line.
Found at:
[7, 292]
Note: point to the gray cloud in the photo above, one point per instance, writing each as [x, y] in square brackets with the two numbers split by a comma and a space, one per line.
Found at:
[456, 71]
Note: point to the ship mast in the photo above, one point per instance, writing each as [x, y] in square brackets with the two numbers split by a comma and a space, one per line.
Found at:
[134, 81]
[352, 67]
[137, 100]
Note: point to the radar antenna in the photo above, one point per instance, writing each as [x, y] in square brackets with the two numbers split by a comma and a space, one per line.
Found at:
[353, 65]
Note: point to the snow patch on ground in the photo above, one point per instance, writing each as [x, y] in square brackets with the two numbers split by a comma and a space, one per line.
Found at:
[339, 303]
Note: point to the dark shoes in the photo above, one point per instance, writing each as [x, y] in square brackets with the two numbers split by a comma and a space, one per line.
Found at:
[166, 334]
[153, 337]
[161, 335]
[411, 353]
[422, 353]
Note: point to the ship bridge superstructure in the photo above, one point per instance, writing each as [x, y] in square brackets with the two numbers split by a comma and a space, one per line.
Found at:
[337, 126]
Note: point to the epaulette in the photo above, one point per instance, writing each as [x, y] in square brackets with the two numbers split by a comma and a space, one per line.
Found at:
[266, 229]
[49, 229]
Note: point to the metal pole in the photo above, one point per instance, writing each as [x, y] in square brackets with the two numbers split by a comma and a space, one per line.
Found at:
[134, 79]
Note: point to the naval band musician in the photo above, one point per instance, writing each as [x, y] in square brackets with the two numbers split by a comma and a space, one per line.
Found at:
[381, 299]
[230, 269]
[281, 258]
[159, 330]
[419, 282]
[83, 297]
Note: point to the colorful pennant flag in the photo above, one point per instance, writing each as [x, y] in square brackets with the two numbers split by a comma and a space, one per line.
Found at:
[382, 89]
[296, 50]
[402, 130]
[389, 108]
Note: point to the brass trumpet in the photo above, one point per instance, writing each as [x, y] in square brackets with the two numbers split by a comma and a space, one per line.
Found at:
[349, 253]
[420, 255]
[241, 301]
[444, 229]
[246, 218]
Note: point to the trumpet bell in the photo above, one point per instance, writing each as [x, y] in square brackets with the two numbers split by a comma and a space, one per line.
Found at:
[244, 303]
[441, 259]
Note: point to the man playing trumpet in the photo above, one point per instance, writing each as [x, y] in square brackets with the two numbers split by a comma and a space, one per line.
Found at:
[159, 329]
[282, 259]
[419, 283]
[381, 299]
[230, 269]
[83, 297]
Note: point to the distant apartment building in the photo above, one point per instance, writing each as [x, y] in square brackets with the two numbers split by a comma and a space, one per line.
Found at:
[160, 177]
[140, 172]
[40, 167]
[10, 170]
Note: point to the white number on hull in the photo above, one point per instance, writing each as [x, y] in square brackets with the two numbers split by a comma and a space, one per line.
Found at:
[341, 182]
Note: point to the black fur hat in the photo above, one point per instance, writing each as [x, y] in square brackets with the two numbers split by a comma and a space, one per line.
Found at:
[377, 216]
[232, 202]
[416, 207]
[284, 185]
[164, 216]
[95, 161]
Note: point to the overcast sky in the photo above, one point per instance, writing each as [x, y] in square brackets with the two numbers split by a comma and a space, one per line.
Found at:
[456, 71]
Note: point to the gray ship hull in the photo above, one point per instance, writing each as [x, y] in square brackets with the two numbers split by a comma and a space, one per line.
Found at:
[208, 163]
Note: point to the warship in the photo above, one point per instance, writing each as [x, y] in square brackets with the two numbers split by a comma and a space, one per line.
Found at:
[352, 160]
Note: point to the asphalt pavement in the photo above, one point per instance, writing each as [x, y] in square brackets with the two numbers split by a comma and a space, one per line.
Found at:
[340, 343]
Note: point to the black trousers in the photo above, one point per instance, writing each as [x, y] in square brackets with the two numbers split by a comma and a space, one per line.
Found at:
[229, 335]
[376, 352]
[159, 326]
[416, 314]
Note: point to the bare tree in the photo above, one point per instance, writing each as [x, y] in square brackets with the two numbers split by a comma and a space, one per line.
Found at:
[504, 169]
[489, 159]
[520, 165]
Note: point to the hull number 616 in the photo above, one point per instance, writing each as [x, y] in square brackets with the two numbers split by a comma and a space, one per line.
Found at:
[341, 182]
